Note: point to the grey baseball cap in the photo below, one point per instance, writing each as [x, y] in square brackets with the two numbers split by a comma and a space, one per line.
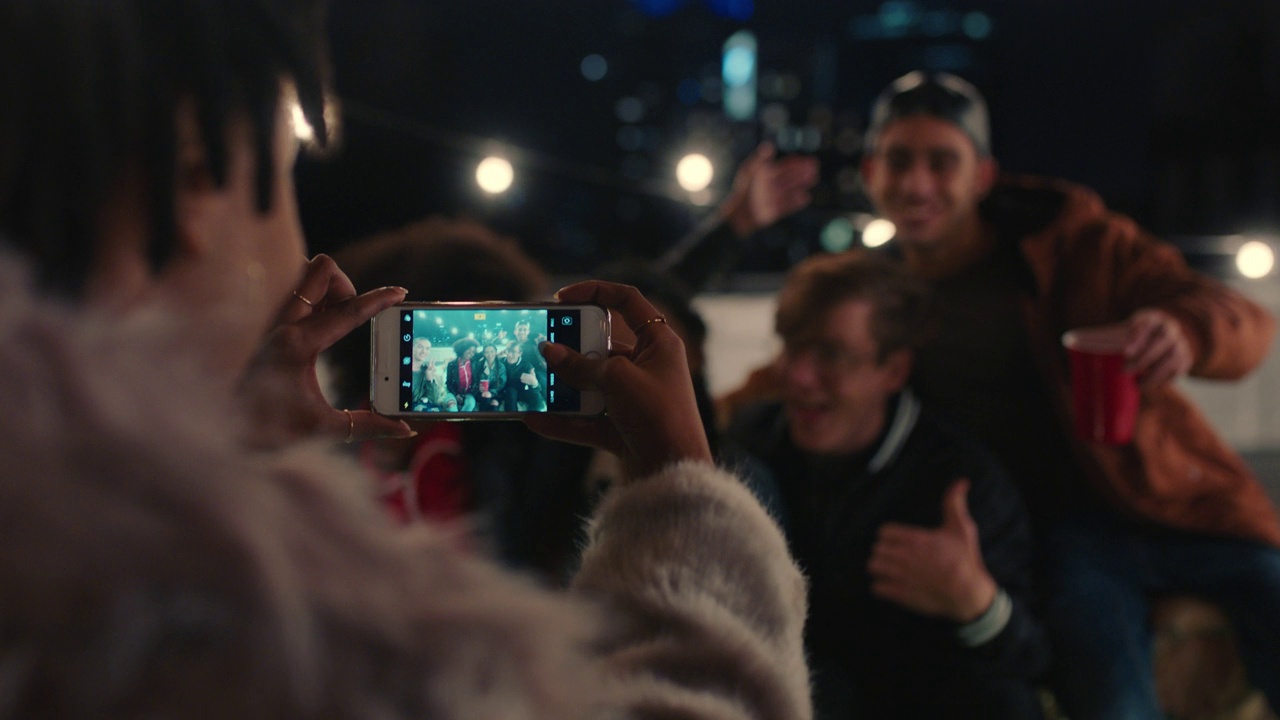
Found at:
[941, 95]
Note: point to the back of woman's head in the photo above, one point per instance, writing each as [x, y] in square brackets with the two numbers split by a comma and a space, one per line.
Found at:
[90, 94]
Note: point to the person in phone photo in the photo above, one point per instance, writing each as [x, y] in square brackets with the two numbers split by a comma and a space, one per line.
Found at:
[428, 393]
[492, 379]
[460, 375]
[523, 392]
[528, 342]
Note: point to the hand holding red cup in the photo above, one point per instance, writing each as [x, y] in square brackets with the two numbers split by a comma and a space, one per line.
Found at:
[1104, 391]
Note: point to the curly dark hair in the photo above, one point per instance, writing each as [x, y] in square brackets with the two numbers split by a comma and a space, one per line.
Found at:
[461, 346]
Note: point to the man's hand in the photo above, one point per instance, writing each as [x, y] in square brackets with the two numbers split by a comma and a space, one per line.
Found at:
[766, 189]
[1156, 349]
[936, 572]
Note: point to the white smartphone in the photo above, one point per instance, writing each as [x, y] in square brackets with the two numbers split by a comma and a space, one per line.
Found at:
[480, 361]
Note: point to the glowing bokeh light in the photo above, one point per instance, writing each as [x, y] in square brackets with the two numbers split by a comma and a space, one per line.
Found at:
[739, 66]
[301, 128]
[1255, 259]
[977, 25]
[694, 172]
[878, 232]
[738, 75]
[594, 67]
[837, 236]
[629, 109]
[494, 175]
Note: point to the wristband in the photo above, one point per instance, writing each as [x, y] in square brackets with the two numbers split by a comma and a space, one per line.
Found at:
[988, 624]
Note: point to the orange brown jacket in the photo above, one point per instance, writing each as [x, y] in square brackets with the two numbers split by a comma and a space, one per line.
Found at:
[1092, 267]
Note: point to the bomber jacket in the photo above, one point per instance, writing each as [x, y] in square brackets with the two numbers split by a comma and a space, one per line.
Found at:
[832, 521]
[1091, 266]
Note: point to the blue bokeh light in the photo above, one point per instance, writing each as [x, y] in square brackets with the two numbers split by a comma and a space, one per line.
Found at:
[740, 10]
[977, 25]
[658, 8]
[594, 67]
[739, 66]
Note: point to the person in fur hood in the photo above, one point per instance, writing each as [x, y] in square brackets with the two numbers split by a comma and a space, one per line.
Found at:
[177, 536]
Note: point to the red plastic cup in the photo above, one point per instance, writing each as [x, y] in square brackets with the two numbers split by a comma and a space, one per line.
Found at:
[1104, 394]
[484, 386]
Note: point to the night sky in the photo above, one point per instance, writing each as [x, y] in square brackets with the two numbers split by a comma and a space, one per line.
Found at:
[1170, 109]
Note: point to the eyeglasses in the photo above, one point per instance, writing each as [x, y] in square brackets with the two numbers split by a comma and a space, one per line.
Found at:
[830, 359]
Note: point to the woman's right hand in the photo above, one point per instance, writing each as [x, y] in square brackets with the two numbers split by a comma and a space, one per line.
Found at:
[652, 417]
[281, 390]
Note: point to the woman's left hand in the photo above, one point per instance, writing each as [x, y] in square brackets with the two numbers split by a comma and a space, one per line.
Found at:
[281, 388]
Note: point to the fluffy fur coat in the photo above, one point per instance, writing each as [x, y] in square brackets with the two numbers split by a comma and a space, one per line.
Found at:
[151, 566]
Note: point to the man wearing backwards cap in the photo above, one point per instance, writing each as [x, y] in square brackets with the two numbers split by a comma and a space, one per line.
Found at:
[1017, 262]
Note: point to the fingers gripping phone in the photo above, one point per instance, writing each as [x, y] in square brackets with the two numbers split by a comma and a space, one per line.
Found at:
[480, 361]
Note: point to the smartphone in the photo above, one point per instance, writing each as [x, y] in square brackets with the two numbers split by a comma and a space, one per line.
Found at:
[480, 361]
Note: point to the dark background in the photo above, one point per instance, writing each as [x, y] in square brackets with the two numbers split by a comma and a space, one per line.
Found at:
[1170, 109]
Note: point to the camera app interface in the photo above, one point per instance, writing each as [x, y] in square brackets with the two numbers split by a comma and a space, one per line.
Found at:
[480, 360]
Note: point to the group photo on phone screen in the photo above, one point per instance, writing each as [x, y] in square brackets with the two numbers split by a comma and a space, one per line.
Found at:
[483, 360]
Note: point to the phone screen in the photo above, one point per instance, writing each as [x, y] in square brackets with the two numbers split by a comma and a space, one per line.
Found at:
[484, 360]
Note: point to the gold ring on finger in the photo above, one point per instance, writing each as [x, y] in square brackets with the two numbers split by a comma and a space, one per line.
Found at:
[658, 319]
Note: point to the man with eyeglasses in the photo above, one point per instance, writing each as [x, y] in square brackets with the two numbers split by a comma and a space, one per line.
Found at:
[916, 545]
[1015, 262]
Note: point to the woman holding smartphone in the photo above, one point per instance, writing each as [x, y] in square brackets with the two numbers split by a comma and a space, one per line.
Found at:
[168, 552]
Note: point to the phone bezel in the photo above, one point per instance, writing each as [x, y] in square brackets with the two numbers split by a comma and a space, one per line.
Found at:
[384, 390]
